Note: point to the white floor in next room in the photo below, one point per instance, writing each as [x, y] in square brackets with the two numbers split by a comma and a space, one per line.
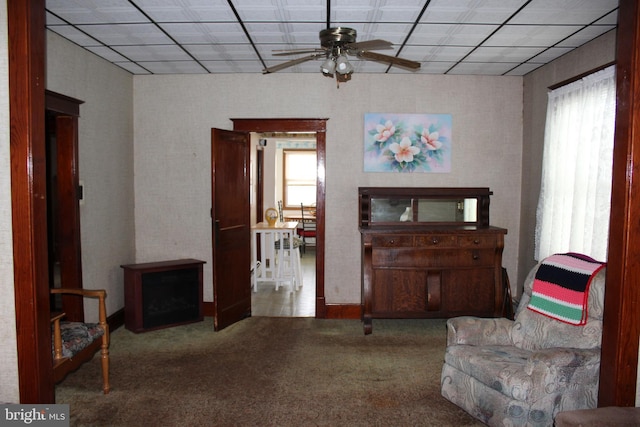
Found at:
[283, 303]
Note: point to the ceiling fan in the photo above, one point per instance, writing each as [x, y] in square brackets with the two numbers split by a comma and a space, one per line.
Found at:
[336, 44]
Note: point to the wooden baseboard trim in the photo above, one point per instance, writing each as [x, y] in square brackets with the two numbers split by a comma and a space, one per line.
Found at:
[332, 311]
[207, 308]
[116, 320]
[343, 311]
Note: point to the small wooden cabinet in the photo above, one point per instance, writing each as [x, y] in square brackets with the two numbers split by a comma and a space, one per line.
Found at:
[429, 253]
[162, 294]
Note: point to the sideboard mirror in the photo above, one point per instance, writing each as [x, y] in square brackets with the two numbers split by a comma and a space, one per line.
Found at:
[386, 206]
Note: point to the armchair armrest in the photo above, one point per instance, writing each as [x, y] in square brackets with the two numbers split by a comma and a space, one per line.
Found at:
[101, 294]
[470, 330]
[563, 358]
[572, 373]
[57, 338]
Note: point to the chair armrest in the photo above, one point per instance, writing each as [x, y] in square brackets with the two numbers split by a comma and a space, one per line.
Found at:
[570, 374]
[469, 330]
[563, 358]
[101, 294]
[57, 337]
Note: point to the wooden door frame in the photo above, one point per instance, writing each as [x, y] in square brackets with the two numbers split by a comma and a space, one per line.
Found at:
[621, 326]
[27, 53]
[319, 126]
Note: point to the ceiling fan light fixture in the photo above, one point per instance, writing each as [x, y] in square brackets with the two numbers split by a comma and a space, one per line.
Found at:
[328, 67]
[343, 66]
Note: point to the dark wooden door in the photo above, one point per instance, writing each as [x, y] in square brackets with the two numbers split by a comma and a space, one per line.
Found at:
[231, 222]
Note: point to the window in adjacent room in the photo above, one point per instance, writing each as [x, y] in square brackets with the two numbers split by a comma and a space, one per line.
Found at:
[299, 178]
[575, 193]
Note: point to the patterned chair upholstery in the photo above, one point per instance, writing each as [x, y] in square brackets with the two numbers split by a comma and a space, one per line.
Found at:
[76, 342]
[524, 372]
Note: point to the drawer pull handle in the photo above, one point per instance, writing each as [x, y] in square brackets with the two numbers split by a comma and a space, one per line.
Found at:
[475, 256]
[435, 241]
[477, 242]
[391, 242]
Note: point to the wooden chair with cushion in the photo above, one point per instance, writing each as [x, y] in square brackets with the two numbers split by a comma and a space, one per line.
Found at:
[306, 227]
[76, 342]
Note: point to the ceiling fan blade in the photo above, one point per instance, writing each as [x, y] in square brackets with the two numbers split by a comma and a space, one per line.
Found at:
[376, 44]
[291, 63]
[297, 51]
[393, 60]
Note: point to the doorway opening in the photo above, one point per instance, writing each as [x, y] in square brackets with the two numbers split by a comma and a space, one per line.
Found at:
[63, 194]
[287, 182]
[313, 126]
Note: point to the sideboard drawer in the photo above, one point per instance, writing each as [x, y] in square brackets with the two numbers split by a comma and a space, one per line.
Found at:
[392, 241]
[477, 241]
[432, 258]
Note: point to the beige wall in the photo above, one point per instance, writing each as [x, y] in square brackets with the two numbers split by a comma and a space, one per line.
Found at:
[105, 163]
[599, 52]
[9, 391]
[174, 114]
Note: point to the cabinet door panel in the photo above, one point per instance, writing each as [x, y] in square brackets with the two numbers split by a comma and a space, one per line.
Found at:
[469, 291]
[399, 292]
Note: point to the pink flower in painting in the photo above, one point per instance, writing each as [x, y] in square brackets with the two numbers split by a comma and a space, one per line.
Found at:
[431, 140]
[385, 131]
[404, 151]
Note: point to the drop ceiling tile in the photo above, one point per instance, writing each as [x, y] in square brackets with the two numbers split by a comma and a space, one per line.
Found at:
[585, 35]
[350, 11]
[523, 69]
[74, 35]
[483, 68]
[564, 12]
[153, 53]
[470, 11]
[399, 10]
[127, 34]
[216, 52]
[435, 67]
[395, 33]
[132, 67]
[107, 53]
[549, 55]
[503, 54]
[435, 53]
[233, 66]
[51, 19]
[95, 11]
[174, 67]
[450, 34]
[281, 10]
[192, 33]
[610, 19]
[187, 10]
[530, 35]
[285, 33]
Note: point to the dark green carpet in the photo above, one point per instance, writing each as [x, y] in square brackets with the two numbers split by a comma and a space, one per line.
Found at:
[268, 371]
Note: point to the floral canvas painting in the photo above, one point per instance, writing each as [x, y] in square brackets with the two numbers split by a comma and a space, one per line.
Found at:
[407, 143]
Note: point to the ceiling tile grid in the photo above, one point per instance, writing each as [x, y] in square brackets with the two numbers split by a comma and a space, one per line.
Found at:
[484, 37]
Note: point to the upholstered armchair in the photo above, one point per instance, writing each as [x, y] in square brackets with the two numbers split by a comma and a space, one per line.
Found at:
[76, 342]
[523, 372]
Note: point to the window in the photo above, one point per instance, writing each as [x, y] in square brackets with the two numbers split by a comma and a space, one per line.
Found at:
[299, 178]
[575, 192]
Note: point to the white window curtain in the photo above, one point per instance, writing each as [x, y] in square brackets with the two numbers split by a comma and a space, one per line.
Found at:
[575, 194]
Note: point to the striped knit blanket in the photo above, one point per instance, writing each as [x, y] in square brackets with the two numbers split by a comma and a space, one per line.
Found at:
[561, 287]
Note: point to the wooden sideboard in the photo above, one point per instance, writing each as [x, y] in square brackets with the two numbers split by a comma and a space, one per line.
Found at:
[420, 268]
